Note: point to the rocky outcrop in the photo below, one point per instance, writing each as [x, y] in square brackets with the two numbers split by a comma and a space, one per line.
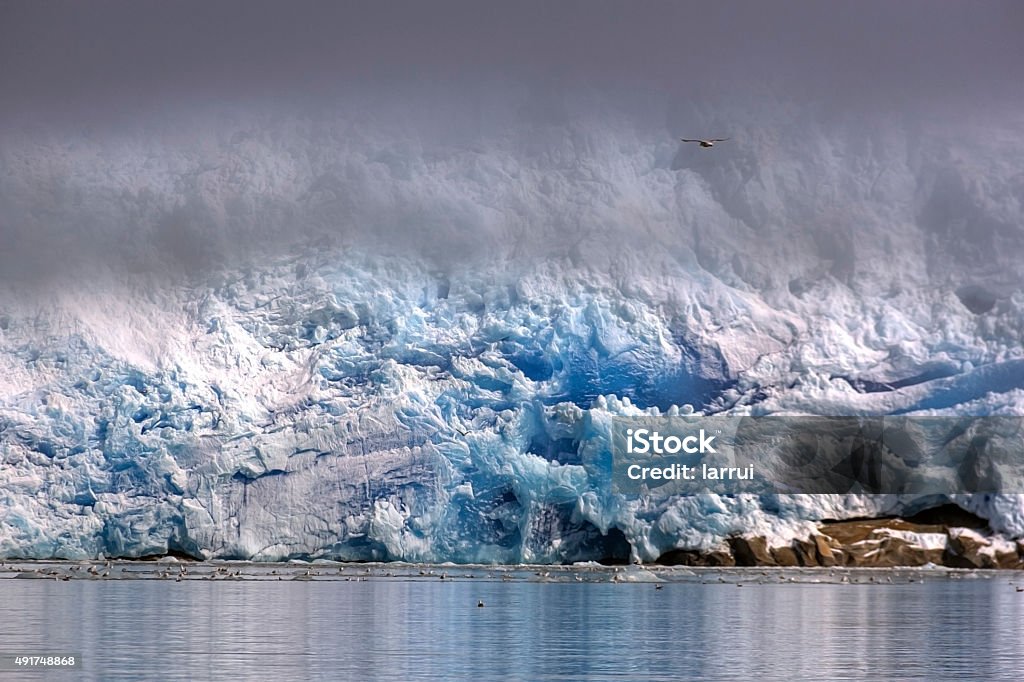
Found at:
[965, 549]
[969, 549]
[785, 556]
[751, 551]
[694, 557]
[945, 536]
[824, 551]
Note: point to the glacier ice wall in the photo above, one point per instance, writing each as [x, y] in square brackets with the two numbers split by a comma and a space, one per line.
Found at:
[355, 338]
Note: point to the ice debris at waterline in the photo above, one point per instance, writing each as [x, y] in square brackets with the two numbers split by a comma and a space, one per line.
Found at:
[339, 403]
[327, 571]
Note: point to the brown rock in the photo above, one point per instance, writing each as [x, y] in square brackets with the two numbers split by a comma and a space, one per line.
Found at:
[751, 551]
[967, 550]
[785, 556]
[696, 557]
[873, 542]
[886, 551]
[823, 551]
[964, 550]
[806, 552]
[899, 552]
[1008, 560]
[720, 558]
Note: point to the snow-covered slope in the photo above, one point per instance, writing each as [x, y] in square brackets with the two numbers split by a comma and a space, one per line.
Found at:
[357, 339]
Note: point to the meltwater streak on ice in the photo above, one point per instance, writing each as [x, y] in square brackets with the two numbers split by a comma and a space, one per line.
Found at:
[336, 402]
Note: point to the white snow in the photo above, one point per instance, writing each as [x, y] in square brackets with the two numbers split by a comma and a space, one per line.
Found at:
[250, 391]
[926, 541]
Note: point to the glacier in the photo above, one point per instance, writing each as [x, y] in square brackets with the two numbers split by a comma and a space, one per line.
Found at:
[360, 338]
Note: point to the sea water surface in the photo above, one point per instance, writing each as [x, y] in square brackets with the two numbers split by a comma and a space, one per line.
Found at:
[428, 625]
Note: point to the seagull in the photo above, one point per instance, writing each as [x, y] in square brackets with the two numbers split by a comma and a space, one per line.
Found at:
[705, 143]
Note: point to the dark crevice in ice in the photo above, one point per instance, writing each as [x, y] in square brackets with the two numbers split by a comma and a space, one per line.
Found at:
[945, 514]
[871, 386]
[976, 299]
[614, 548]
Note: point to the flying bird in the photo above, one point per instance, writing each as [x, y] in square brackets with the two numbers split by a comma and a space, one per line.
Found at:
[705, 143]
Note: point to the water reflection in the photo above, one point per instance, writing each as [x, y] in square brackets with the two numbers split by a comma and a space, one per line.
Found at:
[401, 630]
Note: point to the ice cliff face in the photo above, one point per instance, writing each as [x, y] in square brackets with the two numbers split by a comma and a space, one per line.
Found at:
[422, 358]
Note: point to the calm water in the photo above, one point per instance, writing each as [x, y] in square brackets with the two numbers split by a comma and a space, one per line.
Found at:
[434, 630]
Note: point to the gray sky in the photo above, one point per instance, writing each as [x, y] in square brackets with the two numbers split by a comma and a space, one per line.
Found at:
[96, 69]
[89, 57]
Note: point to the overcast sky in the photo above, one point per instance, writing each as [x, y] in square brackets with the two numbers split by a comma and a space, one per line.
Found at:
[75, 67]
[79, 57]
